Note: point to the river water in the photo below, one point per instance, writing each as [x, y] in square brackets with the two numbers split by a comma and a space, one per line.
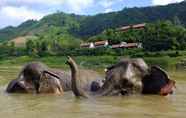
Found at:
[67, 106]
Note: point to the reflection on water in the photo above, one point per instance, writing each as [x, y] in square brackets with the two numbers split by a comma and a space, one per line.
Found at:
[51, 106]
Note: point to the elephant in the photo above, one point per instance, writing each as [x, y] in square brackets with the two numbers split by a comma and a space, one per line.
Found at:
[33, 76]
[128, 76]
[36, 77]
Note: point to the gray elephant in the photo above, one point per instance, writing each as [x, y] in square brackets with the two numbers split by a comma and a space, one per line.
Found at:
[35, 77]
[128, 76]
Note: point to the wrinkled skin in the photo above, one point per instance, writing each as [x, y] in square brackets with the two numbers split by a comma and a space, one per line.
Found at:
[137, 77]
[32, 77]
[128, 76]
[36, 77]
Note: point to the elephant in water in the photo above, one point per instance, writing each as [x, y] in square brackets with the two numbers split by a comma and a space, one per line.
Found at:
[128, 76]
[36, 77]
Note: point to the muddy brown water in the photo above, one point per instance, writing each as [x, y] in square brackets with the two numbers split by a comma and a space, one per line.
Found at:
[67, 106]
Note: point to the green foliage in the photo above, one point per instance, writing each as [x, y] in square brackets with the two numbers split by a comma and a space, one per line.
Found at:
[159, 36]
[164, 36]
[116, 37]
[10, 32]
[9, 49]
[50, 44]
[86, 26]
[54, 34]
[30, 47]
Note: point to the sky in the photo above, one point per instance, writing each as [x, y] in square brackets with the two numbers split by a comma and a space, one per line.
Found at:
[14, 12]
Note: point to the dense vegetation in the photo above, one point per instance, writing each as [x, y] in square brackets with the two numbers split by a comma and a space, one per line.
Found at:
[86, 26]
[60, 34]
[162, 35]
[159, 37]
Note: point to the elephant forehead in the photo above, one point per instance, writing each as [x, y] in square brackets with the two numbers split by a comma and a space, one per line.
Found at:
[128, 72]
[50, 85]
[140, 65]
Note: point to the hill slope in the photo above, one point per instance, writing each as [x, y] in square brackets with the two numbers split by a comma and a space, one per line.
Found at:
[85, 26]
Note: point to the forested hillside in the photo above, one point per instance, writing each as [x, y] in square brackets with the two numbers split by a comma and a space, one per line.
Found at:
[86, 26]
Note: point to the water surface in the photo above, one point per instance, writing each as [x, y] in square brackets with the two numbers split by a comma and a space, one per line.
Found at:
[67, 106]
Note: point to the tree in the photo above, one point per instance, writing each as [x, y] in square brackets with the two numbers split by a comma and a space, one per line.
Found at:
[163, 36]
[176, 21]
[31, 48]
[12, 50]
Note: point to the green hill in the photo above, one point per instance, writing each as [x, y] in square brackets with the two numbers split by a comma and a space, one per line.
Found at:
[86, 26]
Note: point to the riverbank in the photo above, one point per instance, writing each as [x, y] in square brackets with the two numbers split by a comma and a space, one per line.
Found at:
[90, 62]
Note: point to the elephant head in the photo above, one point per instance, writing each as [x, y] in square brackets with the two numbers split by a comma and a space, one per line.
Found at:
[126, 77]
[50, 84]
[119, 78]
[30, 79]
[127, 74]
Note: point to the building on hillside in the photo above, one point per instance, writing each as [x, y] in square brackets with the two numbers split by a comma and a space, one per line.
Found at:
[87, 45]
[95, 44]
[137, 26]
[105, 43]
[127, 45]
[124, 28]
[101, 43]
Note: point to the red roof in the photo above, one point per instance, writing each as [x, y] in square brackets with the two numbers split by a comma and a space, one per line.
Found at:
[116, 46]
[100, 43]
[137, 26]
[125, 28]
[130, 45]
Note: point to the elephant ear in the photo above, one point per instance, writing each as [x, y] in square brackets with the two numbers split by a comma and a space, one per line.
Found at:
[159, 73]
[155, 80]
[16, 87]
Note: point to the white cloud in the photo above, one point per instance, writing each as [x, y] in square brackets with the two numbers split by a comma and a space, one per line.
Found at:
[14, 12]
[164, 2]
[106, 3]
[72, 5]
[33, 2]
[51, 2]
[108, 10]
[21, 13]
[78, 5]
[15, 15]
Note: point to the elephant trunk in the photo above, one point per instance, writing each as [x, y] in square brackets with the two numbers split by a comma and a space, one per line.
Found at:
[105, 90]
[75, 78]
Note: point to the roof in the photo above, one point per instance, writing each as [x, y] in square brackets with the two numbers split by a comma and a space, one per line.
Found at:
[128, 45]
[85, 45]
[139, 25]
[116, 46]
[124, 28]
[100, 42]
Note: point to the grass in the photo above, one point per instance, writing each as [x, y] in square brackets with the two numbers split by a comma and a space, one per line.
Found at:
[90, 62]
